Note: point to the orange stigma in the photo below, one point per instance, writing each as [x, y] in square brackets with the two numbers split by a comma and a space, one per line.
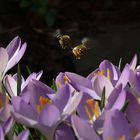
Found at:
[42, 102]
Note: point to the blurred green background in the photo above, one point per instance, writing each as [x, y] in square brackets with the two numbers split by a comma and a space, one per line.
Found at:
[113, 27]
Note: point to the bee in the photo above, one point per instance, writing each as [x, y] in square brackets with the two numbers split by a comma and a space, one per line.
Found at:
[64, 40]
[80, 49]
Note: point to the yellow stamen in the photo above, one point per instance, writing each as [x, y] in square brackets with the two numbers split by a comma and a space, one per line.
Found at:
[7, 99]
[88, 113]
[122, 137]
[42, 102]
[89, 102]
[66, 79]
[110, 138]
[59, 84]
[1, 102]
[94, 107]
[38, 108]
[96, 110]
[100, 72]
[108, 73]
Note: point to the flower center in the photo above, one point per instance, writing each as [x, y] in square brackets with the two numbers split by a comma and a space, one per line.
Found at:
[42, 102]
[120, 138]
[101, 72]
[66, 79]
[92, 110]
[3, 101]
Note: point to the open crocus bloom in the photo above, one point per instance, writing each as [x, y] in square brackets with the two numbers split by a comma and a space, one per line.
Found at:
[115, 127]
[91, 111]
[10, 82]
[108, 76]
[41, 108]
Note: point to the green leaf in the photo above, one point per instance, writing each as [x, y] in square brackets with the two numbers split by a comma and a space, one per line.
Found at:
[120, 63]
[18, 80]
[28, 70]
[53, 86]
[102, 102]
[125, 106]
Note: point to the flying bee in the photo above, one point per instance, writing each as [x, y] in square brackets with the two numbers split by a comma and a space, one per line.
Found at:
[80, 49]
[64, 40]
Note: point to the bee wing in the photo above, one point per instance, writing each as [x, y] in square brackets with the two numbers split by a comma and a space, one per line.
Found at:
[85, 40]
[57, 33]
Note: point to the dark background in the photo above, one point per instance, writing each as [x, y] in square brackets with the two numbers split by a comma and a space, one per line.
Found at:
[113, 27]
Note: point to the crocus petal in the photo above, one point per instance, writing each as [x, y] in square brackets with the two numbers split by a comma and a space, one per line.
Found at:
[100, 82]
[11, 85]
[24, 120]
[49, 115]
[72, 104]
[60, 79]
[133, 62]
[64, 132]
[124, 77]
[3, 60]
[39, 74]
[36, 89]
[14, 60]
[62, 96]
[116, 126]
[134, 80]
[76, 79]
[137, 137]
[13, 46]
[117, 99]
[1, 134]
[113, 70]
[23, 135]
[81, 107]
[23, 108]
[90, 92]
[5, 112]
[7, 125]
[133, 110]
[82, 130]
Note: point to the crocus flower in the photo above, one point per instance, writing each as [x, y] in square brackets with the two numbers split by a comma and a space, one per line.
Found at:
[109, 77]
[11, 55]
[92, 111]
[115, 127]
[39, 107]
[10, 82]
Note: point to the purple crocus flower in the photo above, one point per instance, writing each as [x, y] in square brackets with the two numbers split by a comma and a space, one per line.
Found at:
[89, 109]
[111, 80]
[115, 127]
[10, 82]
[11, 55]
[39, 107]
